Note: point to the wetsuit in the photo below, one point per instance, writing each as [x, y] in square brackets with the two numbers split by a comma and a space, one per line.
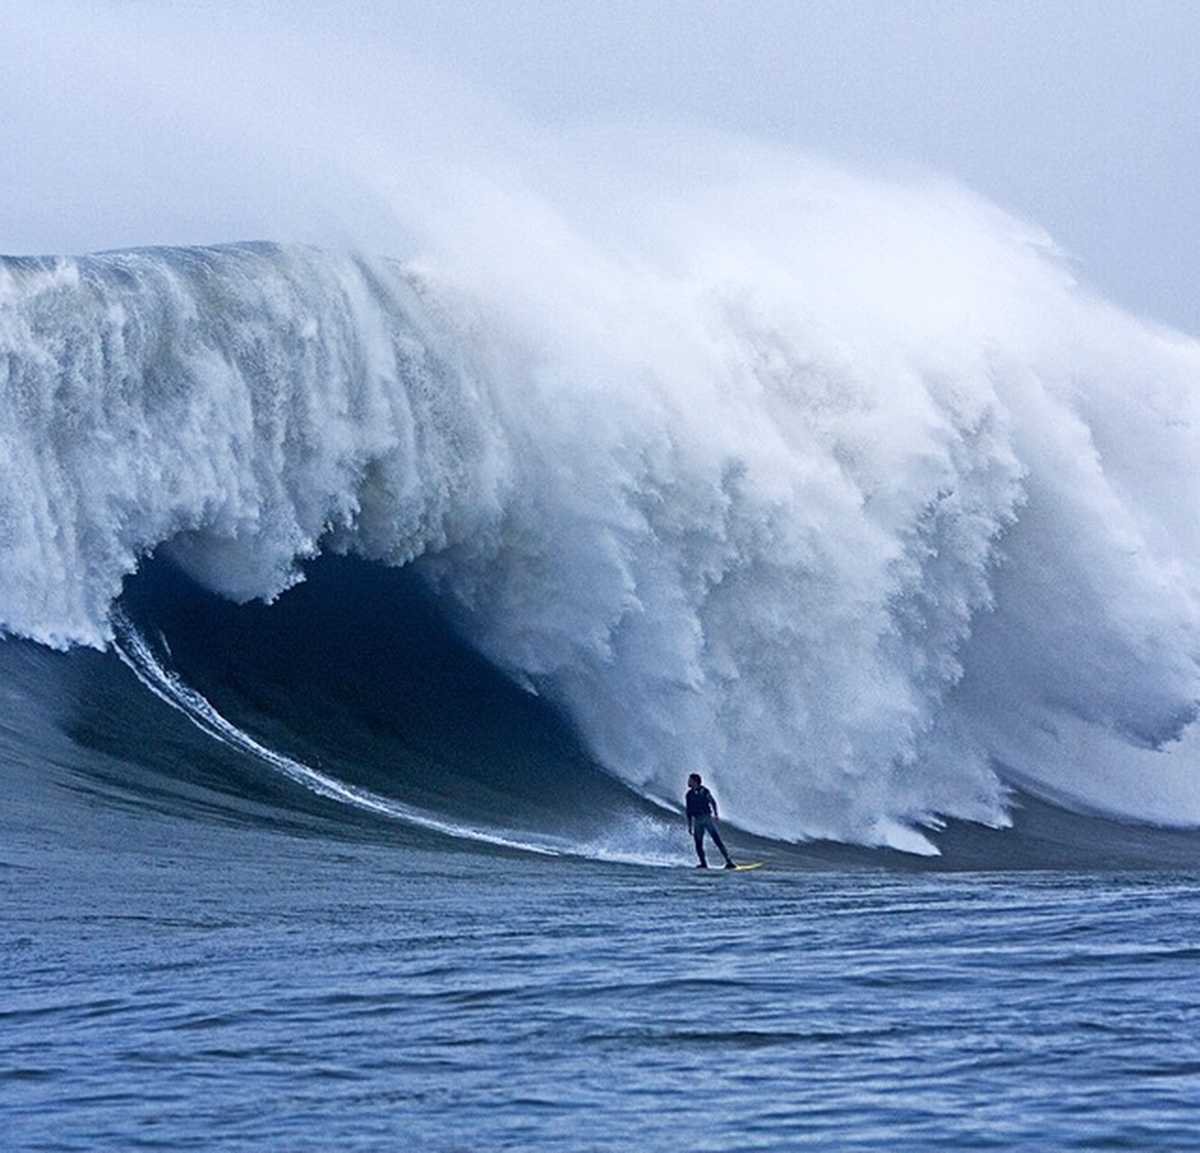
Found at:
[701, 814]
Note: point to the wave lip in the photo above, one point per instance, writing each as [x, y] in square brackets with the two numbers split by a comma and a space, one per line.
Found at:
[247, 405]
[845, 519]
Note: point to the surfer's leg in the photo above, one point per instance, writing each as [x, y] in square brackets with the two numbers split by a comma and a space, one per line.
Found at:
[712, 829]
[698, 837]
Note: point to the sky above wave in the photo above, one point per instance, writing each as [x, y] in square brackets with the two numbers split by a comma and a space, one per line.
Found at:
[129, 123]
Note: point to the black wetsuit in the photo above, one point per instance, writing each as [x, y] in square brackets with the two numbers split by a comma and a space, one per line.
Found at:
[701, 814]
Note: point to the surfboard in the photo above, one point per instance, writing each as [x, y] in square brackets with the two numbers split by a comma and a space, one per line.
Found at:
[745, 868]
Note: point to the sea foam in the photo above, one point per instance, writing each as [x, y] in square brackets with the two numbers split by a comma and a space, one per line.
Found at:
[840, 490]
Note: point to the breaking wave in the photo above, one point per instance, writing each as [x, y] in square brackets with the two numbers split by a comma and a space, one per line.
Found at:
[841, 492]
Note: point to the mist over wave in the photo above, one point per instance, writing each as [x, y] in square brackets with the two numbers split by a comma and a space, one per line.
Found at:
[838, 490]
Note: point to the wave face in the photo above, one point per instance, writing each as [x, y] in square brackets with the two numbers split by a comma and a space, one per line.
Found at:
[858, 504]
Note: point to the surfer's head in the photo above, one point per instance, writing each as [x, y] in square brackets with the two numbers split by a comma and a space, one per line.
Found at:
[693, 780]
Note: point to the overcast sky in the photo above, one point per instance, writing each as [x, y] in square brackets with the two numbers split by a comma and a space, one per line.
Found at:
[1084, 117]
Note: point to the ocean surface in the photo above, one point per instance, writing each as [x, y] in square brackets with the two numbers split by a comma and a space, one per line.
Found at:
[202, 951]
[178, 983]
[360, 624]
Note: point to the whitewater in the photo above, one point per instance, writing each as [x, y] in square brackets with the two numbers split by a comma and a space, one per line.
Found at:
[841, 489]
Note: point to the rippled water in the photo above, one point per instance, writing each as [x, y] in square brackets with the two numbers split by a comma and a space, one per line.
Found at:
[184, 985]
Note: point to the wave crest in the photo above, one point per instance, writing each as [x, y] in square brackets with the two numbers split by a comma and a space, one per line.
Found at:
[849, 500]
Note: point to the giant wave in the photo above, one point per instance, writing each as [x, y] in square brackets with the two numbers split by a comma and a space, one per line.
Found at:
[844, 493]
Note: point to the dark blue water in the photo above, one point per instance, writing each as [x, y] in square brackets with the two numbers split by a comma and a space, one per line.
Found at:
[181, 984]
[199, 952]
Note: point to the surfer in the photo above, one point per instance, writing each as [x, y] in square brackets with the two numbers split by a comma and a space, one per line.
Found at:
[702, 818]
